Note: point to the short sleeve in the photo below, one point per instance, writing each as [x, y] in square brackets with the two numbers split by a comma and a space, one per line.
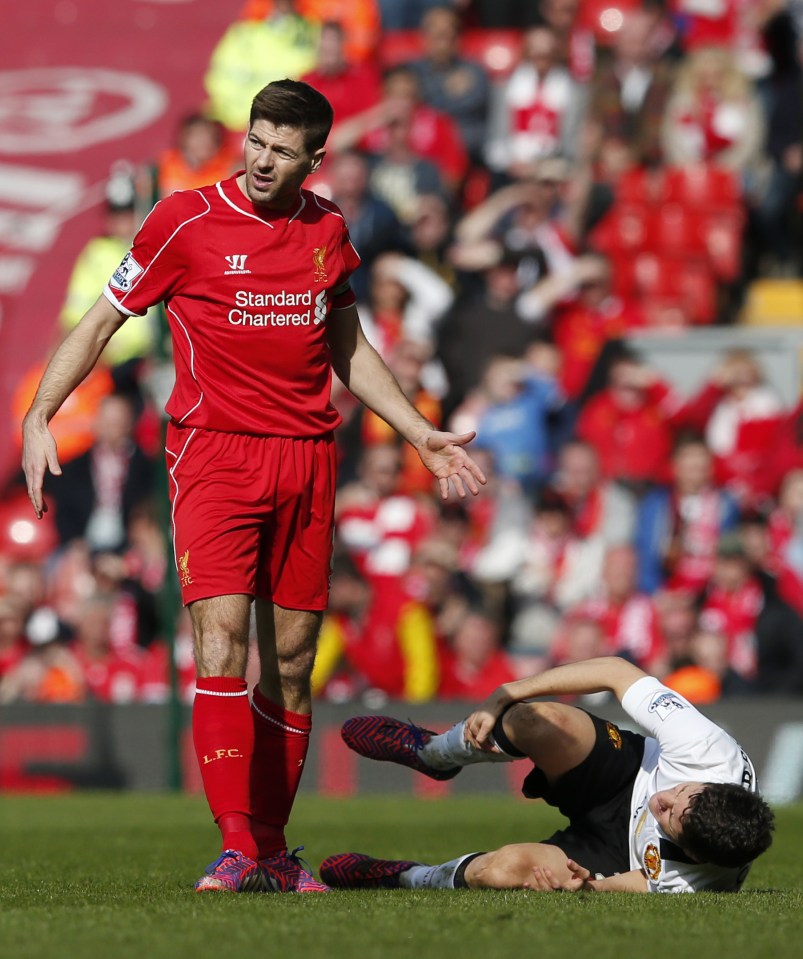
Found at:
[155, 264]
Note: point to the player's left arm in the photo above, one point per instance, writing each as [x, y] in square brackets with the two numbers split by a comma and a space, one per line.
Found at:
[366, 375]
[581, 880]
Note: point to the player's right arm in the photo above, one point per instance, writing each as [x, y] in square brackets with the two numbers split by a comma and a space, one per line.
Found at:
[71, 362]
[574, 679]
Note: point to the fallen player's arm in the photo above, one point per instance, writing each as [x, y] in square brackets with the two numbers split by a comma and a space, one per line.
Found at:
[633, 881]
[581, 880]
[574, 679]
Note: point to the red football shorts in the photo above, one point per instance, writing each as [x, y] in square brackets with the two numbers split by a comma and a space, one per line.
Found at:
[252, 514]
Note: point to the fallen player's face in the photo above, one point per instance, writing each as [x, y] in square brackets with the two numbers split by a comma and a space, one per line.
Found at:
[670, 805]
[276, 164]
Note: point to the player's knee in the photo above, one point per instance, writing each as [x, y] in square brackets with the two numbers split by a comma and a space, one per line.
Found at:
[220, 651]
[527, 721]
[507, 868]
[295, 665]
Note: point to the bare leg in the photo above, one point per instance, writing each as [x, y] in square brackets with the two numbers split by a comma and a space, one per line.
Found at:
[556, 737]
[220, 631]
[511, 867]
[287, 640]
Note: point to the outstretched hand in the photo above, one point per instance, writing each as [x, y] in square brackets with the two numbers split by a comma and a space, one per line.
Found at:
[544, 880]
[444, 456]
[38, 454]
[480, 724]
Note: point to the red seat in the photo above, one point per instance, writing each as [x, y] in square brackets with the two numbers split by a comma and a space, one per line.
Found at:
[622, 229]
[399, 46]
[703, 186]
[677, 230]
[723, 231]
[639, 186]
[685, 282]
[497, 50]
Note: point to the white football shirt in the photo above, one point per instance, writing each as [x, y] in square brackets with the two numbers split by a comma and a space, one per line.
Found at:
[682, 746]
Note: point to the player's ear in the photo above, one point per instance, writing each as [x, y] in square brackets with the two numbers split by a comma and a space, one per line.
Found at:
[317, 160]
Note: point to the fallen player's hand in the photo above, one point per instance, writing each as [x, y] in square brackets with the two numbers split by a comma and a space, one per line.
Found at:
[480, 724]
[544, 880]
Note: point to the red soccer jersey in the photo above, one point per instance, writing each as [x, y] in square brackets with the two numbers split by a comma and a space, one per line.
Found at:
[247, 293]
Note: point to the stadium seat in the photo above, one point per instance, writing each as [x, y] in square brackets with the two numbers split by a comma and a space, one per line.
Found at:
[677, 230]
[703, 186]
[774, 303]
[682, 281]
[399, 46]
[497, 50]
[639, 186]
[623, 229]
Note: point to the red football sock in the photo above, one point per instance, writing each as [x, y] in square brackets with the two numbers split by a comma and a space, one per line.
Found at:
[281, 739]
[223, 734]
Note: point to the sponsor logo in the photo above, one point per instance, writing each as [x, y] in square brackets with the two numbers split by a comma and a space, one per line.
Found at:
[652, 861]
[241, 316]
[614, 735]
[125, 274]
[664, 704]
[236, 264]
[320, 307]
[222, 754]
[184, 569]
[319, 276]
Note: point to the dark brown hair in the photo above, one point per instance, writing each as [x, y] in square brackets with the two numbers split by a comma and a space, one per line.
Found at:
[291, 103]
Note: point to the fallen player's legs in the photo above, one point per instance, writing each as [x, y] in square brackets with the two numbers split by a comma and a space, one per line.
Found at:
[582, 764]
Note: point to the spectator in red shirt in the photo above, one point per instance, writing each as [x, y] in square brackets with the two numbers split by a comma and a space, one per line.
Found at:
[582, 325]
[111, 676]
[632, 423]
[628, 618]
[350, 87]
[430, 134]
[679, 526]
[379, 526]
[474, 663]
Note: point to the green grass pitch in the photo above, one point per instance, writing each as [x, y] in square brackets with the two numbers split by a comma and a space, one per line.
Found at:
[111, 875]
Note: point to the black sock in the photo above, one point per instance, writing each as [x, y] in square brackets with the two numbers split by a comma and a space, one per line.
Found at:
[460, 873]
[502, 741]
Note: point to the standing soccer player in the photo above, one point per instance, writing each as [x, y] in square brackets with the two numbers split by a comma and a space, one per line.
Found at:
[254, 272]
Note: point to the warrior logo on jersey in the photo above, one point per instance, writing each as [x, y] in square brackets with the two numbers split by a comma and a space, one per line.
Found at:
[236, 263]
[664, 704]
[184, 569]
[652, 861]
[614, 735]
[125, 274]
[317, 261]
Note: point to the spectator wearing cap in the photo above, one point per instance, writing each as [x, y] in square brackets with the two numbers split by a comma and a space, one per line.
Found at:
[679, 525]
[96, 262]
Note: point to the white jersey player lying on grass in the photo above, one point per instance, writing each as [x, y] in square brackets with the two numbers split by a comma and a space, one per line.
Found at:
[677, 811]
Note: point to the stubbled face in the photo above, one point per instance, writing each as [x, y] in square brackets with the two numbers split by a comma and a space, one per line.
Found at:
[276, 164]
[670, 805]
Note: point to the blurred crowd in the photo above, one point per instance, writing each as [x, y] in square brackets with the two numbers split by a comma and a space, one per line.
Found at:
[528, 185]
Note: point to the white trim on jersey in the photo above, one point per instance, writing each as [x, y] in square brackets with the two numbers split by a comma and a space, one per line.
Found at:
[172, 472]
[233, 205]
[300, 208]
[192, 364]
[169, 240]
[116, 303]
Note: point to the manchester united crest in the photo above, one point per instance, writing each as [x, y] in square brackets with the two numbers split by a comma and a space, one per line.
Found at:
[652, 861]
[318, 255]
[614, 735]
